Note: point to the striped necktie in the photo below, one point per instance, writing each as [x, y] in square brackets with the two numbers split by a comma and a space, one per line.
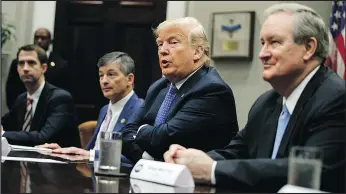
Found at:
[28, 115]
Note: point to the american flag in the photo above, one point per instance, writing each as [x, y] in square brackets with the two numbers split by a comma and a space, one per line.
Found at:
[336, 59]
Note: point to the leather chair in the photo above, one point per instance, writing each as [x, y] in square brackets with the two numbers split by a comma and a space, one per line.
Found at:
[86, 130]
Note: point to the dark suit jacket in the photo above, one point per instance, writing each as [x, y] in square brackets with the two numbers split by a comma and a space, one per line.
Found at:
[318, 120]
[54, 120]
[202, 116]
[130, 107]
[56, 75]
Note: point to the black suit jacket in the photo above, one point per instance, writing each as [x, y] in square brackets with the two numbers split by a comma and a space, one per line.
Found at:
[318, 120]
[54, 120]
[202, 116]
[56, 74]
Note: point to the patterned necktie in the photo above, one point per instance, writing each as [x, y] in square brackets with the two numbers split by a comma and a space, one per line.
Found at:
[282, 124]
[104, 127]
[23, 177]
[28, 115]
[107, 120]
[162, 114]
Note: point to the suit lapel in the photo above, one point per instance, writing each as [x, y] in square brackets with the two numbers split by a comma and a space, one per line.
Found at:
[185, 89]
[156, 102]
[268, 129]
[125, 113]
[40, 108]
[22, 111]
[92, 141]
[298, 110]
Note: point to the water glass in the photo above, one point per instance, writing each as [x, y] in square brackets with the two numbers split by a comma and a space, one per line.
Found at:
[109, 153]
[106, 184]
[305, 167]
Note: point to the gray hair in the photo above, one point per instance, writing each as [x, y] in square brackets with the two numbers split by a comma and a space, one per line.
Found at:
[127, 65]
[307, 23]
[196, 36]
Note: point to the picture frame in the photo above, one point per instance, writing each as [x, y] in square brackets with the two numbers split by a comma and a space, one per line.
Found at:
[232, 35]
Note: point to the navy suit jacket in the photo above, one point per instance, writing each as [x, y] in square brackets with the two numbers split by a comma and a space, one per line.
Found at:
[130, 107]
[318, 120]
[202, 116]
[54, 120]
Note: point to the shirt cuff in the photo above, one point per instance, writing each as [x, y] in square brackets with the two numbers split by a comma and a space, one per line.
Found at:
[147, 156]
[139, 129]
[2, 133]
[92, 155]
[213, 180]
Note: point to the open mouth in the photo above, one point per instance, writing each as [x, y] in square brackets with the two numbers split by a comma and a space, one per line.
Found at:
[164, 63]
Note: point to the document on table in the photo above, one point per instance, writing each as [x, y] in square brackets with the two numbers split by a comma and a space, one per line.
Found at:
[44, 160]
[27, 148]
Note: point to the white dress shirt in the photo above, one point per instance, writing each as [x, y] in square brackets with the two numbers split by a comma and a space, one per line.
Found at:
[178, 85]
[116, 109]
[290, 101]
[35, 97]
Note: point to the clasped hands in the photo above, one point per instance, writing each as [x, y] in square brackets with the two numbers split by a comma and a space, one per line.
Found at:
[198, 162]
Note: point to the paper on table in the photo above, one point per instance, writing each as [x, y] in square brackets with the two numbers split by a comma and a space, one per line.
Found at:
[27, 148]
[3, 158]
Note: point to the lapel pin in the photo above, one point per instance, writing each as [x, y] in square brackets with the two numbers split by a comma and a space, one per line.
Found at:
[52, 64]
[123, 121]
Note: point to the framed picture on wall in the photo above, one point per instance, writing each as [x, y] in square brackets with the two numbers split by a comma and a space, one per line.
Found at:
[232, 35]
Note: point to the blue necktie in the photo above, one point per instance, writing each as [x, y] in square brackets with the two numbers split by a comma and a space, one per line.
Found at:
[162, 114]
[282, 124]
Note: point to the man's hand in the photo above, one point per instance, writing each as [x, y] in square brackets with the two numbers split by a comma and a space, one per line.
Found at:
[49, 145]
[170, 154]
[71, 150]
[198, 162]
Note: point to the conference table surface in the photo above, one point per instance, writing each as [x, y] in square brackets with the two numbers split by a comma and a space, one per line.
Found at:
[76, 174]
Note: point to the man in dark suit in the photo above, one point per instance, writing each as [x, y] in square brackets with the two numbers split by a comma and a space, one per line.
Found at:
[191, 105]
[306, 107]
[44, 113]
[116, 71]
[56, 73]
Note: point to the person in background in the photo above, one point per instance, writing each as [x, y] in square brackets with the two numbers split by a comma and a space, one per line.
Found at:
[44, 112]
[306, 107]
[57, 68]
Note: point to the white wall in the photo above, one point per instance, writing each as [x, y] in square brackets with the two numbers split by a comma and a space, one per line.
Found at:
[176, 9]
[44, 16]
[26, 16]
[245, 78]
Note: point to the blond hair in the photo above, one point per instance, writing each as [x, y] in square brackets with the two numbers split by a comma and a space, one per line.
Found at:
[196, 35]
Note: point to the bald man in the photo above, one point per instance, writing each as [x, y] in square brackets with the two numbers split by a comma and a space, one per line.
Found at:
[55, 74]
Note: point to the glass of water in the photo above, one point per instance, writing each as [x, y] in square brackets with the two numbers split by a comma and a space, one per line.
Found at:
[109, 153]
[305, 167]
[106, 184]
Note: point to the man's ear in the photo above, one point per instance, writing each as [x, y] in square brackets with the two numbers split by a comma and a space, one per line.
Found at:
[198, 53]
[131, 79]
[311, 47]
[44, 67]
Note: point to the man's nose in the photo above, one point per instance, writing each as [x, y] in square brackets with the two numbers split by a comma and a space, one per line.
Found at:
[163, 50]
[264, 54]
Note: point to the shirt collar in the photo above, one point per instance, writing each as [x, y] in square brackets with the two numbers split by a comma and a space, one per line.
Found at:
[181, 82]
[293, 98]
[121, 103]
[36, 95]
